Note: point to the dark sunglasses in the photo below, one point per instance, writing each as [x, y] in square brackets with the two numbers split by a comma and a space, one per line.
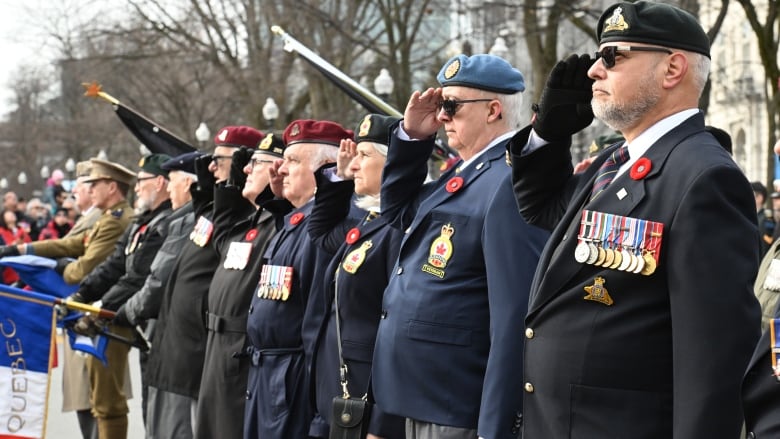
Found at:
[451, 106]
[608, 53]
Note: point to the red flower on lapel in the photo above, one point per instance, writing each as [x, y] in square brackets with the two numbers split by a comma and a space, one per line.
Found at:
[454, 184]
[250, 235]
[296, 218]
[353, 235]
[640, 168]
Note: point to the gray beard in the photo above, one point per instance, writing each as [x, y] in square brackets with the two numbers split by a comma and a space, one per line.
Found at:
[622, 116]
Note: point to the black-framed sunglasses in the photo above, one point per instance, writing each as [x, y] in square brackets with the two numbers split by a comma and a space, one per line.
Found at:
[451, 106]
[608, 53]
[258, 161]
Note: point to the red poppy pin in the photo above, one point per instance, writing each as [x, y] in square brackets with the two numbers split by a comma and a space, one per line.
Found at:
[353, 235]
[250, 235]
[640, 169]
[454, 184]
[296, 218]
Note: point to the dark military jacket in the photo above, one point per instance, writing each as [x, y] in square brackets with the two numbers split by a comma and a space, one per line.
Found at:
[124, 272]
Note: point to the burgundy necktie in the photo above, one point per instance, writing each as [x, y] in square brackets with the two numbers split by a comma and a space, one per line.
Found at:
[608, 170]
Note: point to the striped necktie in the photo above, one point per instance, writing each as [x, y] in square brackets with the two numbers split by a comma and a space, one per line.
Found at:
[608, 170]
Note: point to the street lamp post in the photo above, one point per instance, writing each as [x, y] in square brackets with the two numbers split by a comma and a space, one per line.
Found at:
[383, 84]
[202, 134]
[270, 112]
[70, 168]
[3, 183]
[22, 178]
[102, 155]
[499, 48]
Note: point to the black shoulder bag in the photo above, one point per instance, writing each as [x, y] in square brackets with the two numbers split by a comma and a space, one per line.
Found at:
[349, 416]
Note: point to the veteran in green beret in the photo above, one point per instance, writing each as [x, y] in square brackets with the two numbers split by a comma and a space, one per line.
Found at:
[641, 320]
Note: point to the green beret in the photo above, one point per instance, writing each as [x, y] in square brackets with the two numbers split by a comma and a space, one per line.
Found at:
[652, 23]
[375, 128]
[153, 164]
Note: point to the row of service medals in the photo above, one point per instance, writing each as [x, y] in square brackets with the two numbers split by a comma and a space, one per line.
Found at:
[275, 282]
[619, 242]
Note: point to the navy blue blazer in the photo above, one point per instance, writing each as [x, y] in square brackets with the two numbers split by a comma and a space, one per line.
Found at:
[446, 350]
[666, 359]
[361, 287]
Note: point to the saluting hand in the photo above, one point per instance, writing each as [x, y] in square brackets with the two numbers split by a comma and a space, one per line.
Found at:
[420, 118]
[347, 152]
[277, 181]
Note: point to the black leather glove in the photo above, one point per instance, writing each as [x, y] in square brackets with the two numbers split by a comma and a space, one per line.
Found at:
[8, 250]
[206, 179]
[61, 264]
[564, 107]
[241, 158]
[120, 318]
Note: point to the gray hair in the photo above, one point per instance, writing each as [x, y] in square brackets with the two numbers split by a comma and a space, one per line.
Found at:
[321, 154]
[699, 69]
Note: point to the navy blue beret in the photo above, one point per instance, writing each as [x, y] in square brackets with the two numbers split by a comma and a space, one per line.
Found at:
[184, 162]
[652, 23]
[484, 72]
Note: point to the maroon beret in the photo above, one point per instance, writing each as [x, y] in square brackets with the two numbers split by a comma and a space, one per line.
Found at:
[238, 136]
[315, 131]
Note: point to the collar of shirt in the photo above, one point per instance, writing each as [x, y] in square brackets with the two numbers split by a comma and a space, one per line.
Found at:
[644, 141]
[495, 142]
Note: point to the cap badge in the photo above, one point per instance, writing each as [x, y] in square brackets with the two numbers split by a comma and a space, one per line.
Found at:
[616, 21]
[365, 126]
[598, 292]
[295, 130]
[452, 69]
[223, 135]
[266, 143]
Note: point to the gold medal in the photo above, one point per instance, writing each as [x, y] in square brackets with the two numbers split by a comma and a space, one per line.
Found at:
[609, 258]
[618, 260]
[598, 292]
[602, 255]
[650, 264]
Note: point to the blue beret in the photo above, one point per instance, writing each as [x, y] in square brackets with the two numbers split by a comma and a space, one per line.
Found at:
[652, 23]
[484, 72]
[184, 162]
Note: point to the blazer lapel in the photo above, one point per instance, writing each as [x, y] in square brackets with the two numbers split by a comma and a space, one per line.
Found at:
[621, 197]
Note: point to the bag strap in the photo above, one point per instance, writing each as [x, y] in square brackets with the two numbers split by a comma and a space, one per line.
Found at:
[342, 364]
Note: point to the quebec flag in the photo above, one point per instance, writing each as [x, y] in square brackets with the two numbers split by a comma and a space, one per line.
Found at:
[27, 332]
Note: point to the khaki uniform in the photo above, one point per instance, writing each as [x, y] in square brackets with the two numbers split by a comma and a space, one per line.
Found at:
[91, 246]
[86, 221]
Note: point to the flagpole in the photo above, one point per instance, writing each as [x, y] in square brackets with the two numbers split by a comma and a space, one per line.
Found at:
[291, 44]
[45, 299]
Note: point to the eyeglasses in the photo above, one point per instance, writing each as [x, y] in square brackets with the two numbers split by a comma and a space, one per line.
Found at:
[216, 158]
[608, 53]
[258, 161]
[451, 106]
